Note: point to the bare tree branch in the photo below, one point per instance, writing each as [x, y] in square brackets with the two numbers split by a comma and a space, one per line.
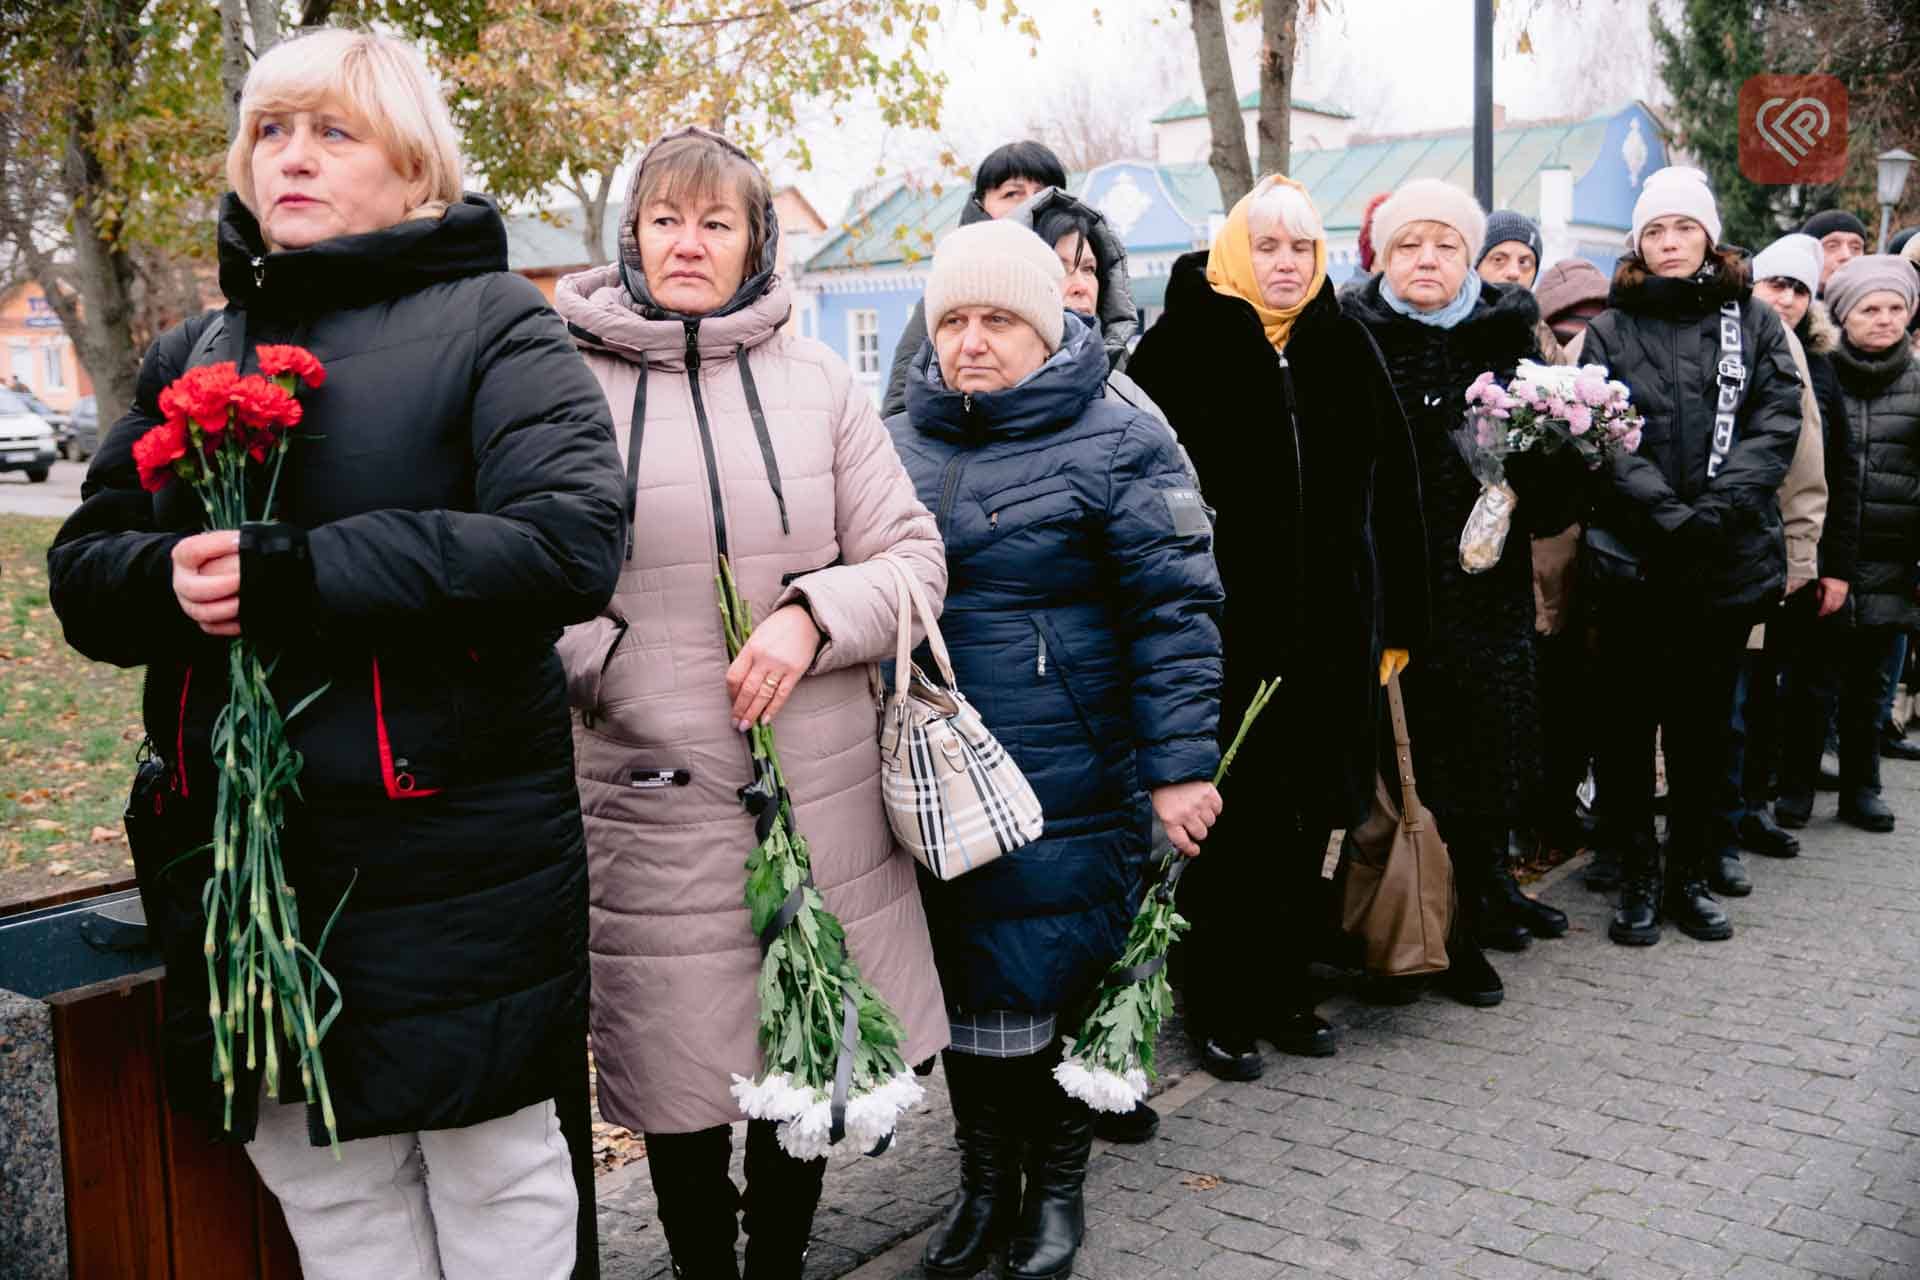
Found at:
[1279, 38]
[1228, 156]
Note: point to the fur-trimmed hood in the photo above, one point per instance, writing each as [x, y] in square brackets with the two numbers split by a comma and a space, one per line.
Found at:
[1817, 331]
[1723, 278]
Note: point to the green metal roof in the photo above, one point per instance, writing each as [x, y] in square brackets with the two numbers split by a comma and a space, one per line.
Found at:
[1188, 109]
[902, 228]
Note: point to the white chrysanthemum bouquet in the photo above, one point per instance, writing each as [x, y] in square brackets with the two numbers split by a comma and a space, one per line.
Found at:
[830, 1048]
[1111, 1062]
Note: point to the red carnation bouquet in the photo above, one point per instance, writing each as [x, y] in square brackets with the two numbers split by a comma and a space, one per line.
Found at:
[224, 435]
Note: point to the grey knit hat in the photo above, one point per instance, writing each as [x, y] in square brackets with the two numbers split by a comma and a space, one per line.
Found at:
[1504, 225]
[1870, 273]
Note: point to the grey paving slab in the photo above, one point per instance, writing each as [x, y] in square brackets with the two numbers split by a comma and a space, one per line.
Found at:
[1742, 1110]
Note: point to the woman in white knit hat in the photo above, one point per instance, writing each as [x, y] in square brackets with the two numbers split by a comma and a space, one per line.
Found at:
[1872, 298]
[1082, 615]
[1686, 544]
[1471, 693]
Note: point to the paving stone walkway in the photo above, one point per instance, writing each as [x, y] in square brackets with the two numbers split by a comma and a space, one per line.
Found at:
[1747, 1109]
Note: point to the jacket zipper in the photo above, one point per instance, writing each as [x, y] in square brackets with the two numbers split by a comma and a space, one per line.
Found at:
[400, 784]
[259, 266]
[1040, 637]
[706, 437]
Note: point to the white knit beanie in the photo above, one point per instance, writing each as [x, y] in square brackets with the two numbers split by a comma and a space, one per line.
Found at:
[1675, 189]
[1429, 200]
[998, 264]
[1796, 257]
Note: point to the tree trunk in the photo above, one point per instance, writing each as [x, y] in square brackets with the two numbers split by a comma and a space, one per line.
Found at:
[100, 320]
[1228, 157]
[593, 215]
[1279, 37]
[266, 25]
[233, 59]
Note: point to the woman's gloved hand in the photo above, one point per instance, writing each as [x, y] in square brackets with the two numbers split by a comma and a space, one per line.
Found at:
[1548, 485]
[1392, 663]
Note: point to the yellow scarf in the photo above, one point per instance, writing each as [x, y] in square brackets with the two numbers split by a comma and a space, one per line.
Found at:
[1230, 267]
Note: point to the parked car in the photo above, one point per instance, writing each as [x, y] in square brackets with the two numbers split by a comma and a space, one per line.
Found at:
[26, 439]
[83, 429]
[60, 420]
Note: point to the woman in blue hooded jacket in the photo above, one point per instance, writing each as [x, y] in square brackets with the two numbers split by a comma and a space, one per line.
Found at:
[1082, 615]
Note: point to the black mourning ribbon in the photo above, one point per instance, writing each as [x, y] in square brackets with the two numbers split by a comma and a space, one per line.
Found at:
[1147, 968]
[766, 799]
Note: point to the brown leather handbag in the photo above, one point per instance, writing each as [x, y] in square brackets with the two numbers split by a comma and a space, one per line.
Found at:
[1396, 878]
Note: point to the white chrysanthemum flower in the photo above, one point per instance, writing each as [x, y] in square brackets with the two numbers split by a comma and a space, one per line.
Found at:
[1100, 1087]
[806, 1136]
[872, 1115]
[775, 1098]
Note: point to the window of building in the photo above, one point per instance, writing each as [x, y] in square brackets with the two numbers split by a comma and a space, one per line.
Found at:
[20, 361]
[863, 343]
[56, 357]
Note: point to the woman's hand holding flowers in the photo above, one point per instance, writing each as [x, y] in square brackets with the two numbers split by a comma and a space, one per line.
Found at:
[762, 678]
[206, 580]
[1187, 810]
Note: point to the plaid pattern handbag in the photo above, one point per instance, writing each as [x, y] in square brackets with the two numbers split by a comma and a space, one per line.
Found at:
[953, 795]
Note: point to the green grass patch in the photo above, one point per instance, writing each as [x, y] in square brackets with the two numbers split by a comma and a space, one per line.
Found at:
[69, 729]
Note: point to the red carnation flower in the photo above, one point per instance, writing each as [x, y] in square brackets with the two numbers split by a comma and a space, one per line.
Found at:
[298, 361]
[155, 453]
[265, 409]
[200, 395]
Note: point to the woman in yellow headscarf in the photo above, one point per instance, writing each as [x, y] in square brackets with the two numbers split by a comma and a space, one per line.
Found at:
[1294, 429]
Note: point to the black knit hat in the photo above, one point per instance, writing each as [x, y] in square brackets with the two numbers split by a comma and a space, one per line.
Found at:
[1504, 225]
[1825, 223]
[1899, 242]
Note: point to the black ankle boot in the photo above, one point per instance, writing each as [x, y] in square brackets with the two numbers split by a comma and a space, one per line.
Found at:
[1862, 807]
[1690, 903]
[986, 1123]
[1636, 922]
[1515, 907]
[1053, 1215]
[1469, 978]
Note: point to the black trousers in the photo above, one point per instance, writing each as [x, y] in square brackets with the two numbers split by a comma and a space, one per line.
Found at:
[1564, 670]
[1671, 676]
[700, 1207]
[1260, 911]
[1847, 671]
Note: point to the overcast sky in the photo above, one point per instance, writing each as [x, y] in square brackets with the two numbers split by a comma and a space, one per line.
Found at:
[1398, 65]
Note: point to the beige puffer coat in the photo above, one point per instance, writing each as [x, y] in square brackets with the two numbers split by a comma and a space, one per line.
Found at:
[674, 961]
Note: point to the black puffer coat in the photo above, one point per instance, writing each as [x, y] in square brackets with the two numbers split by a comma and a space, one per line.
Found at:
[1881, 391]
[1082, 614]
[1706, 545]
[454, 497]
[1470, 692]
[1319, 537]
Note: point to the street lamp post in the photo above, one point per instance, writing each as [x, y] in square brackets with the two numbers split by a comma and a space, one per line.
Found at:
[1891, 170]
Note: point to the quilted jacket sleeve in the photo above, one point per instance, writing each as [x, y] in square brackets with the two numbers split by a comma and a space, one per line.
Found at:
[875, 512]
[541, 546]
[1769, 426]
[1170, 601]
[110, 569]
[1636, 497]
[1803, 494]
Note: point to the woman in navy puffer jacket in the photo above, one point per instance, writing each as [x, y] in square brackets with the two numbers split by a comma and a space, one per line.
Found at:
[1082, 614]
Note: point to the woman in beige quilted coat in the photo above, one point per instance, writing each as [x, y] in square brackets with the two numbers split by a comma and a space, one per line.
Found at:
[740, 439]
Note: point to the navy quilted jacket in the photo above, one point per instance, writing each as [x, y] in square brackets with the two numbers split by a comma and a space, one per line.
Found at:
[1082, 613]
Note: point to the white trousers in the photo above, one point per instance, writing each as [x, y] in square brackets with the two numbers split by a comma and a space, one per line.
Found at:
[494, 1199]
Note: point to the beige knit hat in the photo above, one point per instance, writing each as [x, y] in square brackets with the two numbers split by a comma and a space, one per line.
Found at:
[1428, 200]
[998, 264]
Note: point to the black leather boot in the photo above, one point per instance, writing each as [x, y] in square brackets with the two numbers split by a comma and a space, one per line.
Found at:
[1636, 922]
[1469, 978]
[1862, 807]
[1513, 905]
[1690, 903]
[987, 1125]
[1137, 1125]
[1478, 860]
[1727, 874]
[1761, 834]
[1053, 1214]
